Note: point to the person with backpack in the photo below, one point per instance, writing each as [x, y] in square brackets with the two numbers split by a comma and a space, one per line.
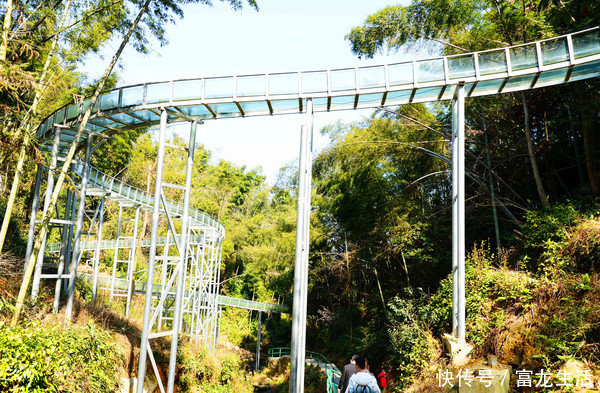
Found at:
[362, 381]
[383, 380]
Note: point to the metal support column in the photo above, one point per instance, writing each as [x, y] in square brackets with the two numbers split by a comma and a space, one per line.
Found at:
[116, 253]
[97, 252]
[35, 286]
[257, 367]
[131, 264]
[458, 214]
[71, 217]
[144, 343]
[34, 210]
[301, 259]
[64, 253]
[183, 251]
[78, 229]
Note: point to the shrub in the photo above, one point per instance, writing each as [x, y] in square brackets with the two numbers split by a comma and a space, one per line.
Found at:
[54, 359]
[219, 373]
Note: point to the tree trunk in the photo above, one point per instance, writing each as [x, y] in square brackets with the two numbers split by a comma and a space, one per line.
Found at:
[26, 123]
[13, 191]
[575, 146]
[65, 168]
[534, 167]
[589, 150]
[5, 30]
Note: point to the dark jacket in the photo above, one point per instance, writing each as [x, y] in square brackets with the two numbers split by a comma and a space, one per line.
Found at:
[349, 370]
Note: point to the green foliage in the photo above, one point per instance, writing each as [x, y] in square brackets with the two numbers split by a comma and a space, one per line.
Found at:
[469, 25]
[563, 238]
[113, 156]
[412, 346]
[219, 373]
[39, 358]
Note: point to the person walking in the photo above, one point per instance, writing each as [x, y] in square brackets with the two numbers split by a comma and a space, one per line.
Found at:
[362, 381]
[383, 380]
[349, 370]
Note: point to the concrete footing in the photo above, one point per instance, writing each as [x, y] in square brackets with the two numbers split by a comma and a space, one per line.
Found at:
[460, 353]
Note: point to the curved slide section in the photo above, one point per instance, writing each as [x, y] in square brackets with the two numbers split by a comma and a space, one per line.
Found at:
[549, 62]
[122, 192]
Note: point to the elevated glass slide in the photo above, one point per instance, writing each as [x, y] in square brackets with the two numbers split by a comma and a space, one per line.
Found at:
[549, 62]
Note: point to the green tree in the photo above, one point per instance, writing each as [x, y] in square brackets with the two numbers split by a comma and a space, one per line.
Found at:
[150, 17]
[376, 187]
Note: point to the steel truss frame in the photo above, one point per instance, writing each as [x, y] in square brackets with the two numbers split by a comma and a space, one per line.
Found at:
[182, 280]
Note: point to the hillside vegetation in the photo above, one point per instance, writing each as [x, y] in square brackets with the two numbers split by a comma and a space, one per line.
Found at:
[380, 251]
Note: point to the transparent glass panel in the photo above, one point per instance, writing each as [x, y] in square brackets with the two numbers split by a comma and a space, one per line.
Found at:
[320, 103]
[427, 94]
[187, 90]
[44, 128]
[398, 97]
[492, 62]
[586, 44]
[85, 105]
[370, 77]
[218, 87]
[280, 84]
[72, 111]
[109, 100]
[430, 71]
[373, 99]
[343, 80]
[554, 51]
[147, 115]
[285, 105]
[468, 88]
[95, 128]
[449, 92]
[551, 77]
[105, 122]
[584, 71]
[226, 110]
[171, 117]
[314, 82]
[251, 86]
[342, 101]
[461, 67]
[255, 107]
[158, 92]
[132, 96]
[400, 74]
[125, 118]
[197, 111]
[519, 83]
[523, 57]
[490, 87]
[60, 116]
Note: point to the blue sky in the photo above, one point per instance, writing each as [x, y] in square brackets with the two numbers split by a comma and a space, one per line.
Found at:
[283, 36]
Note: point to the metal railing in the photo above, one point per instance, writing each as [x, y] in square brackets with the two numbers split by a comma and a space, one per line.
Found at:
[105, 282]
[333, 375]
[119, 189]
[310, 355]
[543, 63]
[251, 304]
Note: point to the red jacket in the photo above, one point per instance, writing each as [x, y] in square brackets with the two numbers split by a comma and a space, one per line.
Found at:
[383, 379]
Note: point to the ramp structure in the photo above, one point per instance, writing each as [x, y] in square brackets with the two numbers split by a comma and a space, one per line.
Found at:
[185, 261]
